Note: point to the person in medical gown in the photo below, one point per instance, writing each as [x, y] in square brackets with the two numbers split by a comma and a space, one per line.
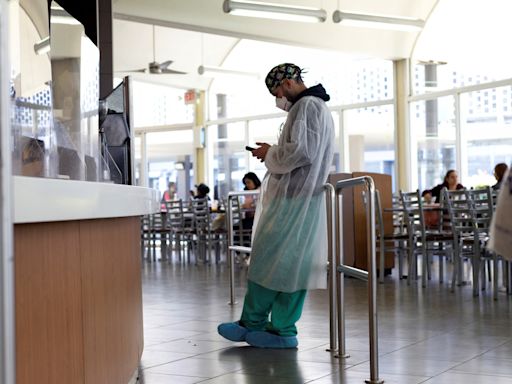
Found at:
[289, 248]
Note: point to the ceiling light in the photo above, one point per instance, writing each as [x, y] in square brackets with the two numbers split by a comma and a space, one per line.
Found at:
[377, 21]
[42, 46]
[274, 11]
[213, 71]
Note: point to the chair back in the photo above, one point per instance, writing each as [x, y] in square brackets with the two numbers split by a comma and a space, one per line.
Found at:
[413, 212]
[460, 212]
[201, 213]
[175, 217]
[380, 231]
[482, 206]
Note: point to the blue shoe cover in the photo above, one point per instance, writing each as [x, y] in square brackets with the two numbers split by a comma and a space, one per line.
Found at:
[232, 331]
[269, 340]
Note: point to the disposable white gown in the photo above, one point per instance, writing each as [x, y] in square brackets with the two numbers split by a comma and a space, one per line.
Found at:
[500, 239]
[289, 249]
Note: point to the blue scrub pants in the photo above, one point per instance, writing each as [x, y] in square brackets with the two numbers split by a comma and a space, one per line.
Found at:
[284, 308]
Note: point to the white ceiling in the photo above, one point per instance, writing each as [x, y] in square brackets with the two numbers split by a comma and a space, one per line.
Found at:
[464, 33]
[178, 23]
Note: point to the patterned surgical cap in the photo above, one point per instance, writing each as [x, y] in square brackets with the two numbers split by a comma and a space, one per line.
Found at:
[281, 72]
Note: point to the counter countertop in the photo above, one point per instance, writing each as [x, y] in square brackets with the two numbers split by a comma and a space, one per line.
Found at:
[42, 200]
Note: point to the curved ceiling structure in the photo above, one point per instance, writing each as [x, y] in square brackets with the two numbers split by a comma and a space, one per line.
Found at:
[179, 21]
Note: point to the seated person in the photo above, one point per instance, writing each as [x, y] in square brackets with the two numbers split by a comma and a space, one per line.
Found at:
[499, 172]
[427, 196]
[251, 182]
[450, 182]
[169, 195]
[202, 192]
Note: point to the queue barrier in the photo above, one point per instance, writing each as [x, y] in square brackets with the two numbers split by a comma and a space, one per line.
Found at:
[370, 276]
[335, 266]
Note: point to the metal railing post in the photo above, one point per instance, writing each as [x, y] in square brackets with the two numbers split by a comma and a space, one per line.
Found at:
[372, 286]
[371, 275]
[231, 253]
[231, 240]
[333, 266]
[340, 281]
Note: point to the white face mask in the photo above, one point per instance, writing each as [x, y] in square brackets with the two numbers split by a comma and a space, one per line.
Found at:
[283, 103]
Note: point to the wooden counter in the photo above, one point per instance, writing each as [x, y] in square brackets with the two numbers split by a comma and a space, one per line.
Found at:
[78, 300]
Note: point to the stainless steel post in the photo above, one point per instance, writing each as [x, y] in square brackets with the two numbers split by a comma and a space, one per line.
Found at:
[231, 240]
[231, 253]
[372, 286]
[340, 281]
[372, 272]
[330, 205]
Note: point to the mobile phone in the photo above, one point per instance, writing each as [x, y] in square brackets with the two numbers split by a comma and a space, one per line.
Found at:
[249, 148]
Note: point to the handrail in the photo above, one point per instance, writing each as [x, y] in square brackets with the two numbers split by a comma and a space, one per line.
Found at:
[332, 264]
[371, 274]
[353, 272]
[231, 240]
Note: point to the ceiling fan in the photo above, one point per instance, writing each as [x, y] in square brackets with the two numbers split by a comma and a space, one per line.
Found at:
[157, 68]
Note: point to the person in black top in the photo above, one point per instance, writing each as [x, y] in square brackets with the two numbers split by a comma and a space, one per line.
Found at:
[202, 191]
[499, 171]
[450, 182]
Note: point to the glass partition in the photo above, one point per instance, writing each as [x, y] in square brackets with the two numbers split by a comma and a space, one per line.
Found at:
[54, 94]
[75, 87]
[30, 90]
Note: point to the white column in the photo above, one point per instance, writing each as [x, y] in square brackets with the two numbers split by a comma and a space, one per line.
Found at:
[404, 156]
[356, 153]
[143, 181]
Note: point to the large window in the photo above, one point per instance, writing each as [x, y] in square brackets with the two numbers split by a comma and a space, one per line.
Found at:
[370, 139]
[486, 126]
[227, 158]
[432, 77]
[155, 105]
[266, 131]
[169, 155]
[433, 138]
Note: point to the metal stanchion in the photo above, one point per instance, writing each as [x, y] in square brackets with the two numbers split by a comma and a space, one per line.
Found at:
[230, 252]
[370, 276]
[331, 241]
[231, 240]
[340, 288]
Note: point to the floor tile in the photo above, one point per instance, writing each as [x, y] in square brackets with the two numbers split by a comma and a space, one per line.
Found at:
[427, 335]
[197, 367]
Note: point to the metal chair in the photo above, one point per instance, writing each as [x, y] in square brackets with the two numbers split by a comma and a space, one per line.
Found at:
[482, 204]
[396, 242]
[205, 236]
[180, 233]
[427, 241]
[154, 229]
[470, 216]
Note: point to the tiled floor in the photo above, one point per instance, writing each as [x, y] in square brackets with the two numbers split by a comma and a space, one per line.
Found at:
[426, 335]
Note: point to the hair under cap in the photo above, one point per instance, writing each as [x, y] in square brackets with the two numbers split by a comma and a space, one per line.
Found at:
[281, 72]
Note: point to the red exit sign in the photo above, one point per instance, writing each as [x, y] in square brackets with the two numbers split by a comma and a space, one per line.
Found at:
[190, 97]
